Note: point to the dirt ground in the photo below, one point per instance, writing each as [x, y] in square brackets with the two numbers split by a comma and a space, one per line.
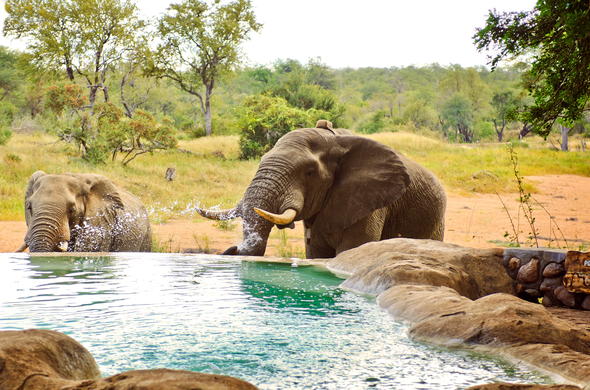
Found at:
[474, 221]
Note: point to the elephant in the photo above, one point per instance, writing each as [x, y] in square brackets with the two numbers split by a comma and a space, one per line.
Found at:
[347, 190]
[83, 213]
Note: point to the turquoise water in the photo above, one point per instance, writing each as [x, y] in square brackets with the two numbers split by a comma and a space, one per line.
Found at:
[277, 326]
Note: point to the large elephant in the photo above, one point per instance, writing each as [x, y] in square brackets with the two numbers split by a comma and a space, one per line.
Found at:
[83, 213]
[348, 190]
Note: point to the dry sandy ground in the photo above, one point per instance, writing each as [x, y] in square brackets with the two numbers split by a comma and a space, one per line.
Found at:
[473, 221]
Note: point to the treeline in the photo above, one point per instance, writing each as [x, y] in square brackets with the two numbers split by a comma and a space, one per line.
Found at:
[123, 88]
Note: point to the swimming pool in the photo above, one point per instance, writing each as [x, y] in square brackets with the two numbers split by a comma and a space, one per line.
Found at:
[274, 325]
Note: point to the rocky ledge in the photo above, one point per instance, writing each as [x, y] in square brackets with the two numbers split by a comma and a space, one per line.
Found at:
[463, 297]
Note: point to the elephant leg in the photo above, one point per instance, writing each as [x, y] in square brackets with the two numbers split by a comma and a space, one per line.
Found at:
[365, 230]
[316, 246]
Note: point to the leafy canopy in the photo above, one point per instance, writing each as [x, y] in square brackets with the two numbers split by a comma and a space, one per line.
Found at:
[200, 43]
[555, 34]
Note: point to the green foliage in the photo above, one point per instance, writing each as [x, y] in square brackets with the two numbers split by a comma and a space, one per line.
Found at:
[458, 113]
[65, 97]
[265, 119]
[555, 32]
[9, 72]
[375, 124]
[5, 135]
[108, 132]
[84, 38]
[7, 112]
[204, 39]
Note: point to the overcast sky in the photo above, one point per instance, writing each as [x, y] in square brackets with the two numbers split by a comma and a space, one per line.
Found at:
[347, 33]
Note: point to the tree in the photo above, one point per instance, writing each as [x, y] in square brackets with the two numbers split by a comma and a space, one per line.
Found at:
[457, 112]
[504, 104]
[85, 38]
[555, 35]
[200, 42]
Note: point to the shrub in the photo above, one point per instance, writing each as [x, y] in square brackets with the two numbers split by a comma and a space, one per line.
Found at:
[7, 113]
[5, 135]
[264, 119]
[109, 133]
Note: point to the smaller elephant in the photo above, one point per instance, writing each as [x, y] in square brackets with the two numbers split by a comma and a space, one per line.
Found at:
[83, 213]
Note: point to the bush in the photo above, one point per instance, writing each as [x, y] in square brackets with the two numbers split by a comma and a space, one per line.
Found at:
[7, 113]
[109, 133]
[264, 119]
[5, 135]
[375, 124]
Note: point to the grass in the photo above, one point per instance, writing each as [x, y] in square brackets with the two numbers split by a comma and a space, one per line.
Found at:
[208, 171]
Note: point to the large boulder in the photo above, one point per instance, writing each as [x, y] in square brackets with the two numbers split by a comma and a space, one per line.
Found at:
[456, 296]
[47, 360]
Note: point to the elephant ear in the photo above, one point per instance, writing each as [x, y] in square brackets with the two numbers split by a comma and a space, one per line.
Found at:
[32, 181]
[369, 176]
[31, 187]
[103, 198]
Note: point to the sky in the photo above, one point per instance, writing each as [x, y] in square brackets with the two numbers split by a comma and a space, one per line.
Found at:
[347, 33]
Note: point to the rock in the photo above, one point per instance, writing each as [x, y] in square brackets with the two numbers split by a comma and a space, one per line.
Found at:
[454, 296]
[532, 292]
[564, 296]
[520, 386]
[550, 284]
[42, 354]
[553, 269]
[429, 262]
[158, 379]
[529, 272]
[547, 301]
[514, 264]
[586, 303]
[48, 360]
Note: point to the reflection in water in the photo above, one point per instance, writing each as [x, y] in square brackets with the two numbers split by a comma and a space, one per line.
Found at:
[77, 267]
[304, 289]
[271, 324]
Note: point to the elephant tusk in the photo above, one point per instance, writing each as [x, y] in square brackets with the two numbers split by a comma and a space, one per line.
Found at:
[279, 219]
[218, 215]
[22, 247]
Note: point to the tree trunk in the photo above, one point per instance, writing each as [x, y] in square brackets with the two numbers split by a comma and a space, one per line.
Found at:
[526, 128]
[564, 138]
[105, 91]
[208, 128]
[92, 96]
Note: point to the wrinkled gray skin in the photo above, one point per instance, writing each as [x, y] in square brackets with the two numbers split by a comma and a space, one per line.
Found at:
[348, 190]
[85, 210]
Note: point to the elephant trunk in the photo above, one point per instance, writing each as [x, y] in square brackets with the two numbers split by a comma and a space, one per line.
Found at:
[47, 234]
[268, 194]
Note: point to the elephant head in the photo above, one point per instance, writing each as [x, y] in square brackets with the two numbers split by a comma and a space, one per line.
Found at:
[58, 206]
[325, 177]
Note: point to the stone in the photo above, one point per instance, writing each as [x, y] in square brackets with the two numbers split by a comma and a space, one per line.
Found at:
[55, 355]
[564, 296]
[532, 292]
[547, 301]
[553, 269]
[586, 303]
[47, 360]
[520, 386]
[550, 284]
[529, 272]
[514, 263]
[454, 296]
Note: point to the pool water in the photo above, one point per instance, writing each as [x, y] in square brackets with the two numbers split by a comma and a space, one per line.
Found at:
[277, 326]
